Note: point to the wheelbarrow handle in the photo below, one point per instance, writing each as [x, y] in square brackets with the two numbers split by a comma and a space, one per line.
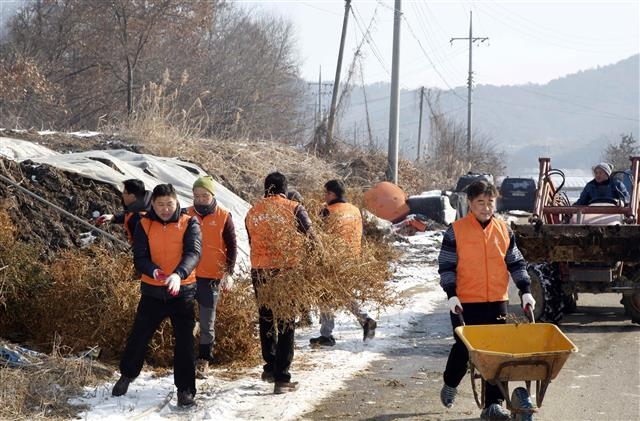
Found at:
[461, 318]
[528, 311]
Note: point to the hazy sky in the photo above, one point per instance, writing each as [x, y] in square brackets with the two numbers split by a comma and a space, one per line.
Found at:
[529, 41]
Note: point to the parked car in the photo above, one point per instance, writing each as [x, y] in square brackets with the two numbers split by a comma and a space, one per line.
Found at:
[517, 194]
[458, 197]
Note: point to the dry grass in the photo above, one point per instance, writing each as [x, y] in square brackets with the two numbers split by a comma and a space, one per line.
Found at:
[327, 275]
[42, 389]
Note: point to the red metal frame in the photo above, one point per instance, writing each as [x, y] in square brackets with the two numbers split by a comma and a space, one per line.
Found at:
[545, 212]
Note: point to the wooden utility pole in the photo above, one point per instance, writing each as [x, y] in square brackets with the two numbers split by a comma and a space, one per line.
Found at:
[336, 83]
[420, 124]
[394, 109]
[470, 78]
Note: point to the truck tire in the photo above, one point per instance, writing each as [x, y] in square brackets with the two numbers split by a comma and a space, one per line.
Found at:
[631, 303]
[547, 291]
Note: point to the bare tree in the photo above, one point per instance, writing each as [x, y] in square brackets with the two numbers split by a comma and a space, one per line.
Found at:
[619, 154]
[447, 158]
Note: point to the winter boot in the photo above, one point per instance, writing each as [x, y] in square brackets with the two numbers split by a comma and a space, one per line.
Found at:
[121, 386]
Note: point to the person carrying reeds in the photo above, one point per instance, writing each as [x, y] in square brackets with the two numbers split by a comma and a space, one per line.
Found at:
[166, 250]
[277, 228]
[219, 252]
[343, 222]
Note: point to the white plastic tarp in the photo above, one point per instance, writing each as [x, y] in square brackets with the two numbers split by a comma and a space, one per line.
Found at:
[116, 165]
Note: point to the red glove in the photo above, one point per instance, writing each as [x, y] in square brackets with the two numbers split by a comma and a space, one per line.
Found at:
[103, 218]
[159, 275]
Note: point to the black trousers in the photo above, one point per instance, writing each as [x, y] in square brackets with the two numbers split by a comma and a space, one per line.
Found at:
[276, 337]
[151, 312]
[474, 314]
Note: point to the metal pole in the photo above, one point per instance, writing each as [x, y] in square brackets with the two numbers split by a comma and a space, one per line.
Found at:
[319, 96]
[469, 87]
[420, 123]
[336, 82]
[62, 211]
[470, 78]
[394, 109]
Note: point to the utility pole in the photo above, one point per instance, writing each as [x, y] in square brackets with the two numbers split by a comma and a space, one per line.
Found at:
[394, 108]
[336, 83]
[470, 78]
[323, 90]
[319, 118]
[420, 123]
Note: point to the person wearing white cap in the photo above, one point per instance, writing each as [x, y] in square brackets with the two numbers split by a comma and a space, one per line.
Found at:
[603, 188]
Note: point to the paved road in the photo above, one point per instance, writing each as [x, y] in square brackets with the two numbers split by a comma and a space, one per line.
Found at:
[600, 382]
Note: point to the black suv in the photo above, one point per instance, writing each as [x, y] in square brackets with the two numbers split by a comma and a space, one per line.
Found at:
[517, 194]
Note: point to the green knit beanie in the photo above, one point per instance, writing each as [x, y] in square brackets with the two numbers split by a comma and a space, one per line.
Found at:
[206, 182]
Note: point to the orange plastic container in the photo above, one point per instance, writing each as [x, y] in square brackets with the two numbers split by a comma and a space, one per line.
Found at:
[387, 201]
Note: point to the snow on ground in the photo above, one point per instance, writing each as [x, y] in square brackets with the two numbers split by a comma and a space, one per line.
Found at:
[318, 371]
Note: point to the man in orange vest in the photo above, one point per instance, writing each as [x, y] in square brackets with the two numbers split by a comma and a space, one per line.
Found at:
[477, 256]
[166, 251]
[219, 252]
[136, 201]
[276, 227]
[344, 222]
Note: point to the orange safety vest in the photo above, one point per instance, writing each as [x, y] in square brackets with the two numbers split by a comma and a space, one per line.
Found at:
[214, 250]
[275, 239]
[166, 246]
[482, 274]
[345, 221]
[127, 217]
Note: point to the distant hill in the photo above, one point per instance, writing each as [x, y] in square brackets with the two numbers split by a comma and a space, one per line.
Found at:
[570, 119]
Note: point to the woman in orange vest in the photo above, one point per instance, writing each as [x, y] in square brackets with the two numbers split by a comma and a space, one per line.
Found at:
[166, 250]
[344, 221]
[477, 255]
[219, 252]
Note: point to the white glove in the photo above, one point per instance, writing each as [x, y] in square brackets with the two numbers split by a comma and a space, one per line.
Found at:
[159, 275]
[227, 283]
[103, 218]
[173, 283]
[455, 306]
[527, 300]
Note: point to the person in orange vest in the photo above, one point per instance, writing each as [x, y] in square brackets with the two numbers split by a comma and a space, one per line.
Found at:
[219, 252]
[166, 251]
[343, 221]
[477, 256]
[277, 228]
[136, 201]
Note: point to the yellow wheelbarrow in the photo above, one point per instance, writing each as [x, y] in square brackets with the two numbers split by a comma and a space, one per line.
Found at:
[516, 352]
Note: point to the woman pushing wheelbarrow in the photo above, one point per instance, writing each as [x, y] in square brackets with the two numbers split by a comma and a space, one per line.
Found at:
[477, 256]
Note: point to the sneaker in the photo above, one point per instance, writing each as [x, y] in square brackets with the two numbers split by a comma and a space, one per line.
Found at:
[323, 341]
[267, 376]
[448, 395]
[369, 328]
[284, 387]
[495, 411]
[185, 398]
[121, 386]
[201, 368]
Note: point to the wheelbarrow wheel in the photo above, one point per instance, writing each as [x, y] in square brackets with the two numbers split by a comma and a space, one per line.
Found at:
[521, 404]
